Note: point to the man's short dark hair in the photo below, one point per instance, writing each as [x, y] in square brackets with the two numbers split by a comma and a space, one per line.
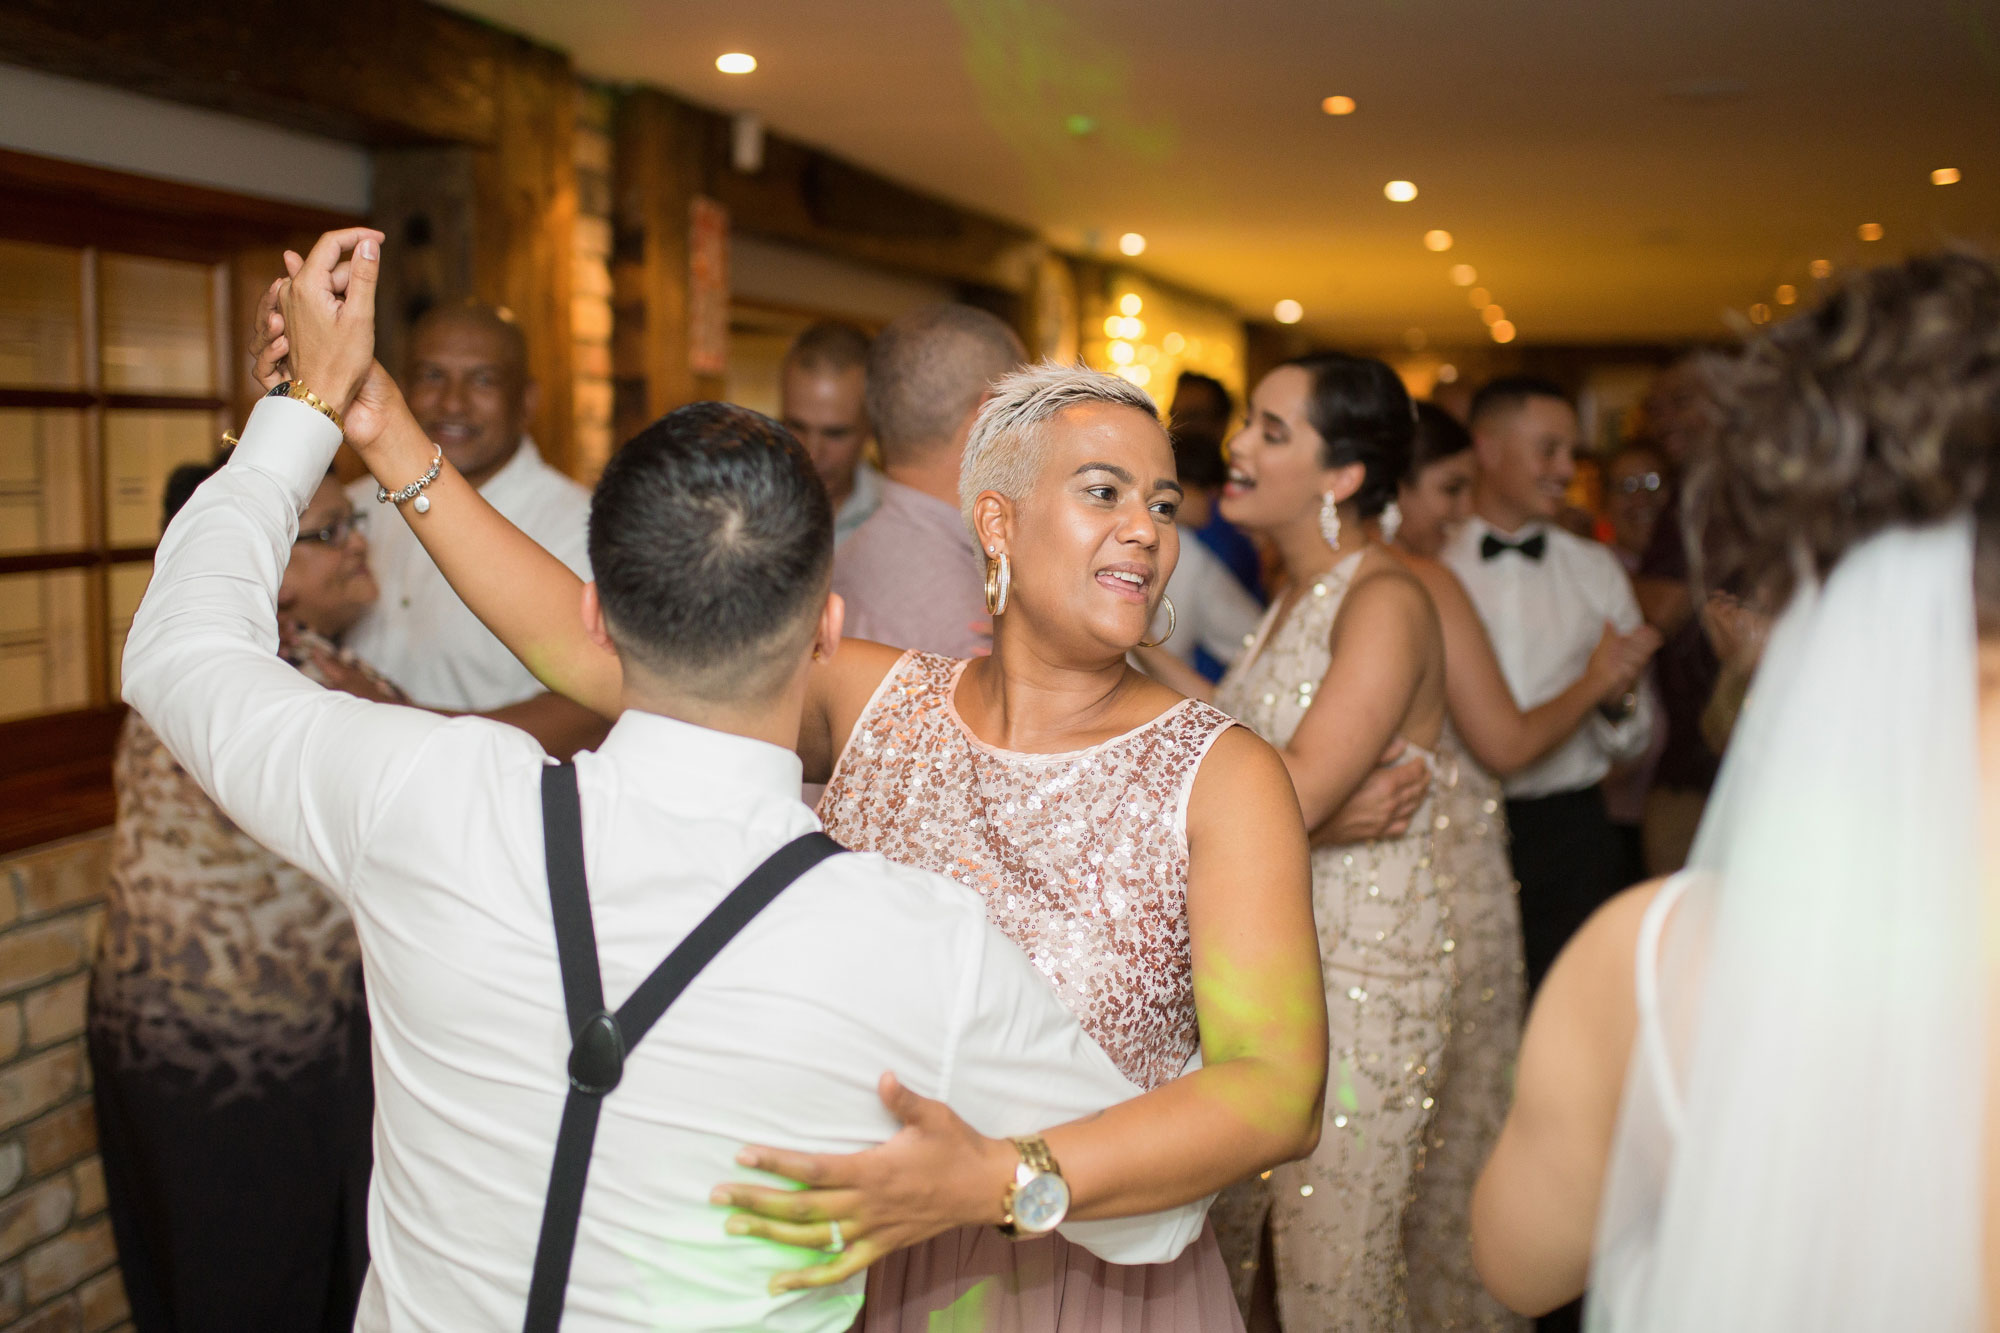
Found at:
[1195, 379]
[928, 370]
[1509, 392]
[829, 345]
[712, 541]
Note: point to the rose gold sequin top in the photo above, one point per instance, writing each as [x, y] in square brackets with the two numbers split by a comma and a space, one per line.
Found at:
[1081, 857]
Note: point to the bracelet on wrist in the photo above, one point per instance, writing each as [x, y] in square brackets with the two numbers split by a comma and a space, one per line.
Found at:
[415, 490]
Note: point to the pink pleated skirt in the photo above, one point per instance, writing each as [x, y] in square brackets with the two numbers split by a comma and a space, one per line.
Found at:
[974, 1280]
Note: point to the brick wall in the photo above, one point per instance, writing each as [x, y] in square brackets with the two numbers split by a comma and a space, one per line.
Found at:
[58, 1268]
[590, 287]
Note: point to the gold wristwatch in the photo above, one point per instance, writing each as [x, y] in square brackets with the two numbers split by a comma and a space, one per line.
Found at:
[1037, 1199]
[297, 389]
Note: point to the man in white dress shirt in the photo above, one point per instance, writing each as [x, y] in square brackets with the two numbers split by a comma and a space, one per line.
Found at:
[1545, 596]
[469, 388]
[712, 542]
[823, 402]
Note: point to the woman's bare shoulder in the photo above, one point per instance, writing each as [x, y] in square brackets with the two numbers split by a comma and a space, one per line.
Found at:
[1590, 989]
[1241, 778]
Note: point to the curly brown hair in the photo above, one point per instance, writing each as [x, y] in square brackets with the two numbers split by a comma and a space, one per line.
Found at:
[1879, 407]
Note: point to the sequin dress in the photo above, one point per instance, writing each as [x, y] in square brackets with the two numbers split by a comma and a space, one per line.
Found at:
[1477, 1078]
[1336, 1218]
[1082, 859]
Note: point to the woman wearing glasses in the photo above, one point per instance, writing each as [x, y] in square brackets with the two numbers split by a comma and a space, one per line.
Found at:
[228, 1037]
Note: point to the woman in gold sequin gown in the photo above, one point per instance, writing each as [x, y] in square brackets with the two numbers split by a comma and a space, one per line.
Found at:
[1487, 734]
[1348, 659]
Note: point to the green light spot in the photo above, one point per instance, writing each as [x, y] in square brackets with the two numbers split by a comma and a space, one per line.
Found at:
[1080, 125]
[1344, 1091]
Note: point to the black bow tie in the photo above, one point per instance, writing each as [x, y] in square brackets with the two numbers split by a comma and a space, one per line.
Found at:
[1533, 547]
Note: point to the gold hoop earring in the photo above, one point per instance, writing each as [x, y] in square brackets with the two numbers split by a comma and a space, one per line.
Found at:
[998, 577]
[1167, 602]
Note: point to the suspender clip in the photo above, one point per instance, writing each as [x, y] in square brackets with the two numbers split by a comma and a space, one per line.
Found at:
[597, 1060]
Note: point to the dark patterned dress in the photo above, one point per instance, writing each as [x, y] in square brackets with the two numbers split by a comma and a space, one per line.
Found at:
[229, 1051]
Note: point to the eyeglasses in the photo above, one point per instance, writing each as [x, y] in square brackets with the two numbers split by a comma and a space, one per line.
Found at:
[1645, 481]
[336, 532]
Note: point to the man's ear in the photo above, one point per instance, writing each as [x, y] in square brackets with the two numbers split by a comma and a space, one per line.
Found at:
[593, 618]
[826, 638]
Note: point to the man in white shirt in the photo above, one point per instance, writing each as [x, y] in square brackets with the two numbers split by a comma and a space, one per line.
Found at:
[822, 395]
[429, 830]
[469, 388]
[1545, 597]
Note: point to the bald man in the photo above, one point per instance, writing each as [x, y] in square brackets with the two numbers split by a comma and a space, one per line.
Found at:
[912, 576]
[468, 385]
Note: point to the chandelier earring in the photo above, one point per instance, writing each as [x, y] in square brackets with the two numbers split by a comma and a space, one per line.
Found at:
[998, 576]
[1391, 521]
[1329, 520]
[1167, 602]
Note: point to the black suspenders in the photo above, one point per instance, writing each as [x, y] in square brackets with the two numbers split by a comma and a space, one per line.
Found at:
[600, 1038]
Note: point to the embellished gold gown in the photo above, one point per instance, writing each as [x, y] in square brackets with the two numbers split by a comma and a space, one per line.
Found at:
[1082, 859]
[1477, 1084]
[1336, 1218]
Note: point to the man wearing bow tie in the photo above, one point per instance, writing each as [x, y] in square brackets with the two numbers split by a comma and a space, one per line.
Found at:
[1546, 597]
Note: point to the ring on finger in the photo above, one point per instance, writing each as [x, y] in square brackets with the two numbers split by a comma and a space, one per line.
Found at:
[839, 1243]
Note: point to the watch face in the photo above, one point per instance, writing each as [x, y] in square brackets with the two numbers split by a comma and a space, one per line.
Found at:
[1041, 1204]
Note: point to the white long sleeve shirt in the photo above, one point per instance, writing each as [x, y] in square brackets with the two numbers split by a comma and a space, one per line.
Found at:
[429, 830]
[418, 633]
[1545, 617]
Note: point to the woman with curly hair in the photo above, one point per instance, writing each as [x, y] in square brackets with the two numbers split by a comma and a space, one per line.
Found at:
[1755, 1095]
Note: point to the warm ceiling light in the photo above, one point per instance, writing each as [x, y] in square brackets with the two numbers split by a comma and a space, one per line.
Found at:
[1131, 328]
[1821, 267]
[1132, 243]
[1869, 231]
[1130, 304]
[1122, 352]
[1493, 314]
[1173, 343]
[1503, 332]
[1338, 106]
[1399, 192]
[1113, 326]
[1760, 313]
[736, 62]
[1139, 375]
[1945, 176]
[1447, 373]
[1288, 311]
[1438, 239]
[1464, 274]
[1787, 294]
[1479, 297]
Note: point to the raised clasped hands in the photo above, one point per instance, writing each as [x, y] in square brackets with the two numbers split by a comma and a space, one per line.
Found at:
[328, 307]
[376, 401]
[934, 1174]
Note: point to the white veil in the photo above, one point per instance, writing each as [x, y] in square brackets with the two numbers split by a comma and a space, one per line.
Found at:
[1800, 1146]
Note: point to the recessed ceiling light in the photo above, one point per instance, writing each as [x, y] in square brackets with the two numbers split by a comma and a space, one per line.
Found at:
[1338, 106]
[1787, 294]
[1139, 375]
[1447, 373]
[1869, 231]
[1130, 304]
[1821, 267]
[1479, 297]
[736, 62]
[1288, 311]
[1760, 313]
[1132, 243]
[1945, 176]
[1503, 332]
[1464, 275]
[1114, 326]
[1399, 192]
[1173, 343]
[1437, 239]
[1493, 314]
[1122, 352]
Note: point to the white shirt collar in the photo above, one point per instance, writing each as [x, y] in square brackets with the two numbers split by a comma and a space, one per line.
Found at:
[515, 472]
[699, 767]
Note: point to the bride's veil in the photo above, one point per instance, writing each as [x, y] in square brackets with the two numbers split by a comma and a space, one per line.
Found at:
[1800, 1143]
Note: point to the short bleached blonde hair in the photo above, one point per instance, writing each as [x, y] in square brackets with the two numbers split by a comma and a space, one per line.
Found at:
[1005, 451]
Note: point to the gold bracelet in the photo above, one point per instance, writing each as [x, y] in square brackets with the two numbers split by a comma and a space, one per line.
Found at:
[296, 389]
